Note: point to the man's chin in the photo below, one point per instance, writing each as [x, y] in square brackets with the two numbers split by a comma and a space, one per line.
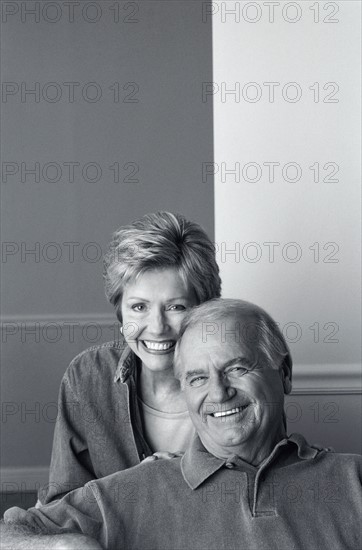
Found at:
[223, 447]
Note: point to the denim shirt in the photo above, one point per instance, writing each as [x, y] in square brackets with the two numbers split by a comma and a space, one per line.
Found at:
[98, 429]
[298, 498]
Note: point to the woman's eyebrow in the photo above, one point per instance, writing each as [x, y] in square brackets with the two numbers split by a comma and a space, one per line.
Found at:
[136, 298]
[167, 300]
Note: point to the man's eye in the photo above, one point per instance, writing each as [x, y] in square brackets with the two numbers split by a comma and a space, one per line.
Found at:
[197, 381]
[238, 371]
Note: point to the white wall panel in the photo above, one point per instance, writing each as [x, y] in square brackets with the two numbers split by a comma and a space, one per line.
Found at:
[309, 279]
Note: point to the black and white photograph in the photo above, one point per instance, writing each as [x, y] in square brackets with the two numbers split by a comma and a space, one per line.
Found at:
[180, 275]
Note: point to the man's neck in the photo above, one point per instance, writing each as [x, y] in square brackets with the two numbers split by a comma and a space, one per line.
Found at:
[253, 451]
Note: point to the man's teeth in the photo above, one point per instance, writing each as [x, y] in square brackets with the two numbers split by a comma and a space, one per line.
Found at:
[230, 411]
[158, 346]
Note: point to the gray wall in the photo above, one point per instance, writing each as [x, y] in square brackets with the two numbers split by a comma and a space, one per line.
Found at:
[159, 53]
[327, 419]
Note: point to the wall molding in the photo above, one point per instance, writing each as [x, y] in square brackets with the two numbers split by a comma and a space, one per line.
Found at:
[23, 479]
[42, 319]
[331, 379]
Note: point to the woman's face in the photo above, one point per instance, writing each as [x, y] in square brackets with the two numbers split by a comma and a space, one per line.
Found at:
[152, 309]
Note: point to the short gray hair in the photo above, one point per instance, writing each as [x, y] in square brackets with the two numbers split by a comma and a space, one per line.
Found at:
[157, 241]
[268, 338]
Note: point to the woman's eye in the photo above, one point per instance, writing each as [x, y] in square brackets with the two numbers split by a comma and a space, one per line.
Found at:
[176, 307]
[138, 307]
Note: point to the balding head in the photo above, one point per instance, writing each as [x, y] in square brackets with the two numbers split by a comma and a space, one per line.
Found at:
[252, 326]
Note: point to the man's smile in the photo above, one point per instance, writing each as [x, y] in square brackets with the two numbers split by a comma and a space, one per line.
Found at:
[229, 412]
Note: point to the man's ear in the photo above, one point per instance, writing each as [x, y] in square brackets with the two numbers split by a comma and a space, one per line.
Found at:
[286, 373]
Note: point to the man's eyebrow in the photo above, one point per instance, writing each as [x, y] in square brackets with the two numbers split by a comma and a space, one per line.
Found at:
[239, 361]
[235, 361]
[194, 372]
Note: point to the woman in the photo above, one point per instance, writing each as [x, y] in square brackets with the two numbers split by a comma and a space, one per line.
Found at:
[119, 402]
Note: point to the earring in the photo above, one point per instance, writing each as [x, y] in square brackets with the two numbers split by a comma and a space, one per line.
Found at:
[121, 329]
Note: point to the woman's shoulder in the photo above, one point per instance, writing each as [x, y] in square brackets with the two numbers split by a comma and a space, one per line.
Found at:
[101, 361]
[114, 348]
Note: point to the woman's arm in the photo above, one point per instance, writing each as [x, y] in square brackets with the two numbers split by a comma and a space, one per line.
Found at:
[70, 463]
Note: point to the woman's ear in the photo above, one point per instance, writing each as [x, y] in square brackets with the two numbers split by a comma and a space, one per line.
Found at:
[119, 312]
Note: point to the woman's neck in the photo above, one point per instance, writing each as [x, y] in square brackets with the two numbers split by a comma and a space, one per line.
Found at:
[161, 390]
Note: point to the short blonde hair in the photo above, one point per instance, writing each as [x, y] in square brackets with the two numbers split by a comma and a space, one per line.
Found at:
[157, 241]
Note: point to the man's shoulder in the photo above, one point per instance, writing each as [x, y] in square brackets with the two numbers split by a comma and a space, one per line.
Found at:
[345, 466]
[341, 458]
[148, 475]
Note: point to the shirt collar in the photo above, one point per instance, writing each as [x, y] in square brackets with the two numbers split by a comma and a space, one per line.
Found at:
[198, 464]
[305, 451]
[127, 365]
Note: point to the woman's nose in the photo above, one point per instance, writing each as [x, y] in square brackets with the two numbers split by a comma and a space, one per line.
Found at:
[157, 322]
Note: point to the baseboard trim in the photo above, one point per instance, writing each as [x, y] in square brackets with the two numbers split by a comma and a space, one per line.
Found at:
[23, 479]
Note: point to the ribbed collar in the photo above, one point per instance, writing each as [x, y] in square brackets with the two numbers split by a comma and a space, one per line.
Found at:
[198, 464]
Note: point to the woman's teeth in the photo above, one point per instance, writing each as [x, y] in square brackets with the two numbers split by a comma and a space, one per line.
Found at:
[158, 346]
[229, 412]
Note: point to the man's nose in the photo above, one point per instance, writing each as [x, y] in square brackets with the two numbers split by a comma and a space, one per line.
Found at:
[220, 389]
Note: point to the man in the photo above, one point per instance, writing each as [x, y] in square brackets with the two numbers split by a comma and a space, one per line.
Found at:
[242, 483]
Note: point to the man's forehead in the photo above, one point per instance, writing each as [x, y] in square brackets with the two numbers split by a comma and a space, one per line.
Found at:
[231, 329]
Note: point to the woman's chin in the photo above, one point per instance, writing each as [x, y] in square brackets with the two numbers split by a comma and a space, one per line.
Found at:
[151, 359]
[157, 365]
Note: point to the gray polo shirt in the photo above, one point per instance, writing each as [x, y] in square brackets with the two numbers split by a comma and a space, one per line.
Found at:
[300, 497]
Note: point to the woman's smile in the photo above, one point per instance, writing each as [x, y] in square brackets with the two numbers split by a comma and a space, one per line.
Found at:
[159, 347]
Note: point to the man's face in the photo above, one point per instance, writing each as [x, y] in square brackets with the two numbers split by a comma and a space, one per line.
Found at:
[235, 398]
